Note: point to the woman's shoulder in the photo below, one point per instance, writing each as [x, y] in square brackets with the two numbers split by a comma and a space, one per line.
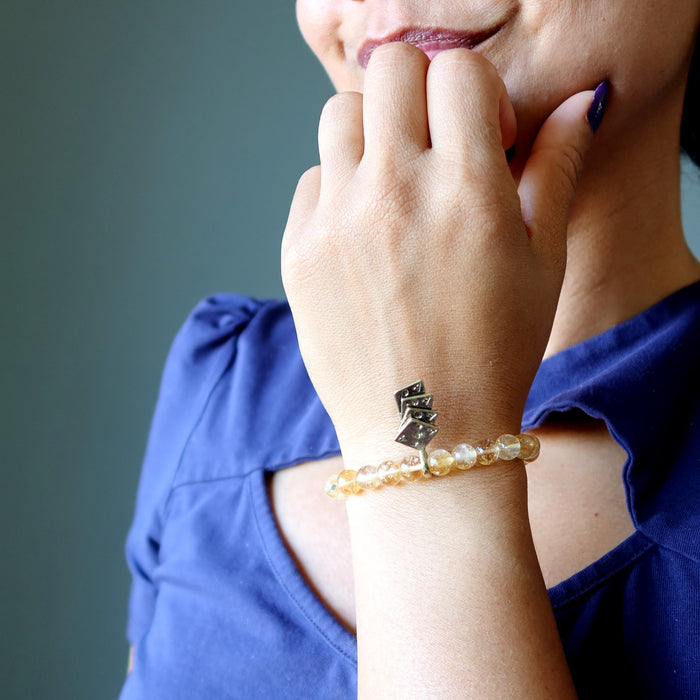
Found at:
[235, 395]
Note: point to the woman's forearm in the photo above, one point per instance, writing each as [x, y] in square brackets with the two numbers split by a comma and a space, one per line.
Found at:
[450, 599]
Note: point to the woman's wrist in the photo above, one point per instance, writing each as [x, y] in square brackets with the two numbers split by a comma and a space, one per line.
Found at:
[453, 413]
[482, 499]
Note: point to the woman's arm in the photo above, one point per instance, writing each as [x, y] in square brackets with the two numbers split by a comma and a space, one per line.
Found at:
[412, 253]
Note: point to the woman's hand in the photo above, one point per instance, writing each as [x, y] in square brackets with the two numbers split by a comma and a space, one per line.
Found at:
[411, 252]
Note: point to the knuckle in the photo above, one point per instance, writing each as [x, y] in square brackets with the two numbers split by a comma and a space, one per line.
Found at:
[338, 109]
[569, 160]
[289, 257]
[457, 61]
[394, 54]
[300, 258]
[297, 272]
[390, 187]
[339, 104]
[303, 202]
[308, 183]
[392, 205]
[310, 176]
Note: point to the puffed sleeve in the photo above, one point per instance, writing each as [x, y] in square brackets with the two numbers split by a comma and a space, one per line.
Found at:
[202, 352]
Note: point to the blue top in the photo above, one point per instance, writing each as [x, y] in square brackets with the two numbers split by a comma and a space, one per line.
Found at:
[218, 608]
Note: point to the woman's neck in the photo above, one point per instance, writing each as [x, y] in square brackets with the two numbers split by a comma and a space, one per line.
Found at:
[626, 248]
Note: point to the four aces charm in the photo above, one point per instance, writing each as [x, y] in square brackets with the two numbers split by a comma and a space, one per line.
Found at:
[417, 426]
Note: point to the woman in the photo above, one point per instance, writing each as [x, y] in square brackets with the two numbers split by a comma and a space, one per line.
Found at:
[477, 207]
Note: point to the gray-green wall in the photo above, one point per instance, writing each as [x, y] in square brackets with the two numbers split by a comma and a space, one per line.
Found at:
[149, 154]
[149, 151]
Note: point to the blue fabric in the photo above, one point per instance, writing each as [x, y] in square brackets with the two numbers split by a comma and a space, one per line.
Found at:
[218, 608]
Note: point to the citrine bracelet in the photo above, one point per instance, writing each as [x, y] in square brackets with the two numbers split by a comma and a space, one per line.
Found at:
[439, 463]
[416, 430]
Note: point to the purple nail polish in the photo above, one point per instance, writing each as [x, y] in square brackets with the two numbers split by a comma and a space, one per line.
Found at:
[597, 108]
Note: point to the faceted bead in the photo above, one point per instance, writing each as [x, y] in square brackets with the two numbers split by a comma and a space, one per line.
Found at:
[367, 477]
[347, 481]
[440, 462]
[389, 473]
[486, 452]
[332, 490]
[465, 456]
[411, 468]
[508, 446]
[529, 447]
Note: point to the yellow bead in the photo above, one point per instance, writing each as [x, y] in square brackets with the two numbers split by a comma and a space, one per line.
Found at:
[440, 462]
[347, 481]
[332, 490]
[465, 456]
[389, 473]
[529, 447]
[411, 468]
[508, 446]
[367, 477]
[486, 452]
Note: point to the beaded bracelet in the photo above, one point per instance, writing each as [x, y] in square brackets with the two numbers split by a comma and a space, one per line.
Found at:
[439, 463]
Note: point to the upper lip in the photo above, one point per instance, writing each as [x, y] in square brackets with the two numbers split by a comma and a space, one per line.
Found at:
[428, 38]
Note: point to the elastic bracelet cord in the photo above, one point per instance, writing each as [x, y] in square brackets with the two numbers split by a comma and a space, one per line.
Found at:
[437, 463]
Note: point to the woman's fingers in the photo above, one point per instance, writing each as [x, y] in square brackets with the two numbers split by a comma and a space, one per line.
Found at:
[552, 172]
[341, 142]
[456, 106]
[395, 117]
[471, 117]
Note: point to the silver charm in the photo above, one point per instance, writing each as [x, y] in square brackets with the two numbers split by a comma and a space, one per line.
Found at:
[417, 426]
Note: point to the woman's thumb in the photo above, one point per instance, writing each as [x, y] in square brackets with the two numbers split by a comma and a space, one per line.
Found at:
[552, 171]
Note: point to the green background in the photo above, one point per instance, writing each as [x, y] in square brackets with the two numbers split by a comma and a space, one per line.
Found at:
[149, 152]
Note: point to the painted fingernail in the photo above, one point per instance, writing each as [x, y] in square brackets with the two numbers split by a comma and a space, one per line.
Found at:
[597, 109]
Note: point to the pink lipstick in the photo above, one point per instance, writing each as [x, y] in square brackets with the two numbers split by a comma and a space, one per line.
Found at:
[430, 40]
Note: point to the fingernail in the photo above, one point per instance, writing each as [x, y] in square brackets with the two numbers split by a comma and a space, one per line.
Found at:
[597, 109]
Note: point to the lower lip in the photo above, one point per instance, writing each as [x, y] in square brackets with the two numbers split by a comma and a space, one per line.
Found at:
[431, 47]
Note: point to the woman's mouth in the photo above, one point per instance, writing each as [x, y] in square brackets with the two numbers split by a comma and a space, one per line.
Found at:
[430, 40]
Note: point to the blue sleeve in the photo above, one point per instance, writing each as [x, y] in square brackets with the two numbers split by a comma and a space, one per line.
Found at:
[201, 353]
